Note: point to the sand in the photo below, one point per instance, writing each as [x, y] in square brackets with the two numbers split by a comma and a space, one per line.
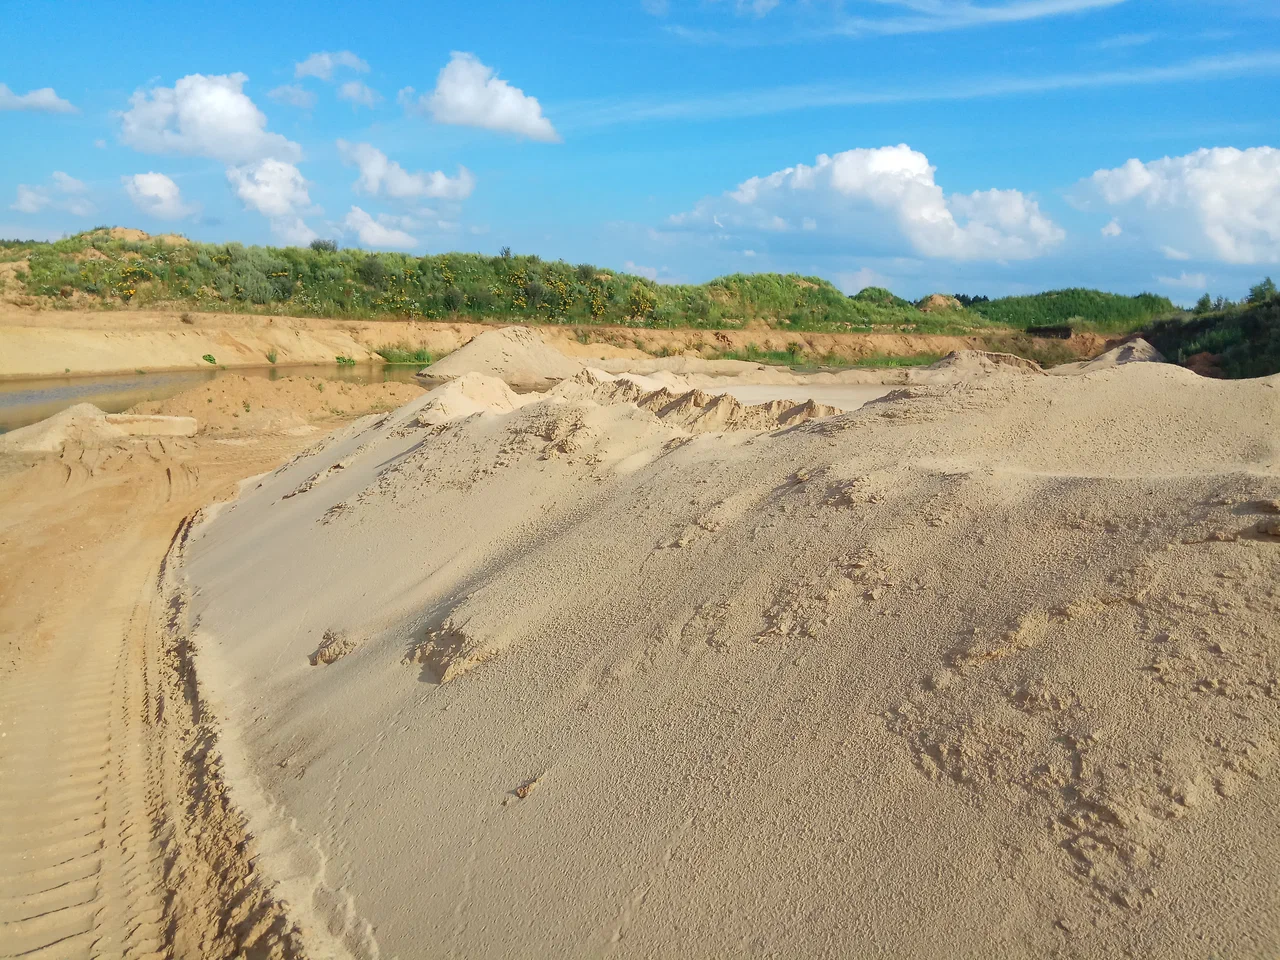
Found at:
[517, 355]
[117, 836]
[235, 403]
[85, 423]
[982, 668]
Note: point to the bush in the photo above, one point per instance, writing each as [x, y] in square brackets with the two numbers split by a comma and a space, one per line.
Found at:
[324, 246]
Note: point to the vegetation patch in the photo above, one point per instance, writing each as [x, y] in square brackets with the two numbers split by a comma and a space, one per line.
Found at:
[1224, 338]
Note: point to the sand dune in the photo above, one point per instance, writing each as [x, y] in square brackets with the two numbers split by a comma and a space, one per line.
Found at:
[982, 668]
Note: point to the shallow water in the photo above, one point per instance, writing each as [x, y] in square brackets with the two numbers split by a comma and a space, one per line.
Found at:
[27, 401]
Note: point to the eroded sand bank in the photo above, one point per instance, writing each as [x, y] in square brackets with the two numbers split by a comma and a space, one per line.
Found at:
[983, 668]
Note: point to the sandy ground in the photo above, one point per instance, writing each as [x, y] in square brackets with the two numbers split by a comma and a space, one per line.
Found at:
[116, 835]
[655, 662]
[50, 342]
[983, 668]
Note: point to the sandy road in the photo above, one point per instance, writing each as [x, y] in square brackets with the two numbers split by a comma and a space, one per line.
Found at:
[116, 837]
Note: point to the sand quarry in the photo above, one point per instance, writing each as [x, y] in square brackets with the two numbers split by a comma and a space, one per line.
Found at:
[580, 657]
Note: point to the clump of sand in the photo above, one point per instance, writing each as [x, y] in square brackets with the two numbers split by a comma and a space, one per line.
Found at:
[988, 662]
[517, 355]
[86, 424]
[238, 403]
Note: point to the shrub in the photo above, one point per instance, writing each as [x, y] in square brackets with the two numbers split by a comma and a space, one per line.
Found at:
[209, 358]
[453, 299]
[324, 246]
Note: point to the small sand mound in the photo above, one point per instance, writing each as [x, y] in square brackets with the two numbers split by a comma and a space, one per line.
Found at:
[936, 302]
[85, 423]
[516, 355]
[972, 364]
[469, 394]
[333, 647]
[1135, 351]
[235, 402]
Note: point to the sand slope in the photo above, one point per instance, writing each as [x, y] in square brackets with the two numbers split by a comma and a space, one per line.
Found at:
[980, 669]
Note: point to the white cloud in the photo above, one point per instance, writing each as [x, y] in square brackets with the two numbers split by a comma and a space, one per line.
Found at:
[1220, 203]
[658, 8]
[748, 253]
[359, 94]
[381, 176]
[157, 195]
[64, 183]
[272, 187]
[323, 64]
[1193, 281]
[63, 192]
[100, 144]
[293, 95]
[30, 199]
[469, 94]
[1112, 229]
[885, 195]
[205, 116]
[43, 100]
[373, 233]
[279, 192]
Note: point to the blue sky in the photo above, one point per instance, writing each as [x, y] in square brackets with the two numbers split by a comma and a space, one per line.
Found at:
[992, 146]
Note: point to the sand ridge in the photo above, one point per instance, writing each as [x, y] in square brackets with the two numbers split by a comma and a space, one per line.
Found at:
[980, 667]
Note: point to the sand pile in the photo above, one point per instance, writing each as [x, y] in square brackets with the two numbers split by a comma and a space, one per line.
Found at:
[1135, 351]
[517, 355]
[236, 403]
[967, 365]
[989, 665]
[85, 424]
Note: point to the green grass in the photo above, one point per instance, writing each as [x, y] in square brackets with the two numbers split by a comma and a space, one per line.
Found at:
[298, 281]
[1081, 309]
[272, 356]
[402, 353]
[325, 282]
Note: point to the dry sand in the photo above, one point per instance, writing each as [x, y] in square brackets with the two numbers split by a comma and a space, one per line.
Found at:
[983, 668]
[117, 838]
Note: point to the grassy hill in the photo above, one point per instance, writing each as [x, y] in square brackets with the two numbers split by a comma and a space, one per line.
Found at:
[118, 267]
[1080, 308]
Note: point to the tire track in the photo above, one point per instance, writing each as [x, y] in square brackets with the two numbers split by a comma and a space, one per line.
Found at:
[117, 838]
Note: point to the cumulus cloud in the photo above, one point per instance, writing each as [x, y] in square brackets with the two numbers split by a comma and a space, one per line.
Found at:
[157, 195]
[470, 94]
[62, 192]
[278, 191]
[323, 64]
[272, 187]
[205, 116]
[380, 176]
[293, 95]
[1112, 229]
[887, 195]
[1219, 203]
[43, 100]
[377, 233]
[359, 94]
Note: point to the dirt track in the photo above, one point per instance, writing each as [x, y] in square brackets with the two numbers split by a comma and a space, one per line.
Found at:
[118, 840]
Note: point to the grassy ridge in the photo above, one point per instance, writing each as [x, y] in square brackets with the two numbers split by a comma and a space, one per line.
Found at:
[113, 271]
[1077, 307]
